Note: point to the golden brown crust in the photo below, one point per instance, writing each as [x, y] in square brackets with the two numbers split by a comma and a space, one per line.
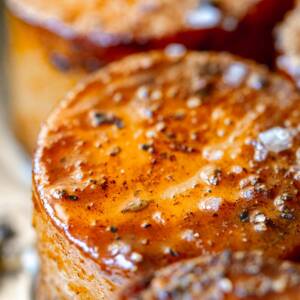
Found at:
[123, 19]
[65, 272]
[226, 276]
[165, 156]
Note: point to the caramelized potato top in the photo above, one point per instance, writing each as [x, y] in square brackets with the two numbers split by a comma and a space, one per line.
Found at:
[226, 276]
[173, 154]
[130, 19]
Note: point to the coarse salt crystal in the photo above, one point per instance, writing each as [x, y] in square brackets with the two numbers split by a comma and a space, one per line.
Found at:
[276, 139]
[235, 74]
[211, 204]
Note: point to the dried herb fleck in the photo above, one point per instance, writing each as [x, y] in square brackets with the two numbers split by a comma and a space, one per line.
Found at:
[135, 205]
[115, 151]
[101, 118]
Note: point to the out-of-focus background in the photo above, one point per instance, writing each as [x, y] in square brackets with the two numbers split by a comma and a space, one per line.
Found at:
[17, 257]
[49, 55]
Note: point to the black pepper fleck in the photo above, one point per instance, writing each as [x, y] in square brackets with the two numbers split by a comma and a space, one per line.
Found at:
[173, 253]
[287, 215]
[73, 197]
[146, 225]
[244, 216]
[147, 147]
[100, 118]
[112, 229]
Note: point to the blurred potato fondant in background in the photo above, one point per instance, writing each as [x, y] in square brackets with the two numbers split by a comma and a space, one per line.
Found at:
[53, 45]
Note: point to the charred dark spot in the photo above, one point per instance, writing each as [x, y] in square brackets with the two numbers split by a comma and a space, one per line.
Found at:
[244, 216]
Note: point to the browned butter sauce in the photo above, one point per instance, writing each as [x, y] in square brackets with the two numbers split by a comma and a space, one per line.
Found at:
[170, 155]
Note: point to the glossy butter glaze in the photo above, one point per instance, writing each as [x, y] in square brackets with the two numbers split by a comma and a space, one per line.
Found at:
[169, 155]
